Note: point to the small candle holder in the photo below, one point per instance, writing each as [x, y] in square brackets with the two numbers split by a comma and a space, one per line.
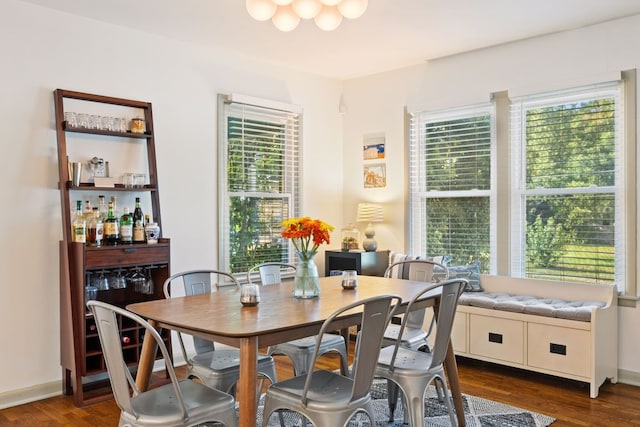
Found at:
[349, 279]
[249, 295]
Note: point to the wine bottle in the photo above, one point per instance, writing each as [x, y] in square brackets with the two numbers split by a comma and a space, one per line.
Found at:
[138, 223]
[111, 228]
[79, 225]
[126, 227]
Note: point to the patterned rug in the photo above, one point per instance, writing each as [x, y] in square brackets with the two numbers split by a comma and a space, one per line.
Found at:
[478, 413]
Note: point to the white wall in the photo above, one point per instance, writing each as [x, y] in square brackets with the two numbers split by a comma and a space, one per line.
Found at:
[43, 50]
[375, 105]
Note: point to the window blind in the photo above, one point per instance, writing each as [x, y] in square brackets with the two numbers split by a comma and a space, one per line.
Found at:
[568, 202]
[451, 183]
[259, 182]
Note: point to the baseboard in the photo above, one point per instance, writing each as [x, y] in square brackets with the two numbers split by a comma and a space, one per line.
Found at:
[52, 389]
[30, 394]
[629, 377]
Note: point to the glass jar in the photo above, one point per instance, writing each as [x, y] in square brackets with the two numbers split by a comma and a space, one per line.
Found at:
[350, 238]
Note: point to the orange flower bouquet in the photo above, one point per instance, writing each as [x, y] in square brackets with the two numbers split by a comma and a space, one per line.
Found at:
[306, 235]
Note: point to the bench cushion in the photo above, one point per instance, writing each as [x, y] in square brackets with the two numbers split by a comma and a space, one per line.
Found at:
[529, 304]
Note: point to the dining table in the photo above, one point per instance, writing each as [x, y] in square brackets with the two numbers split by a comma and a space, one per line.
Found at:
[278, 318]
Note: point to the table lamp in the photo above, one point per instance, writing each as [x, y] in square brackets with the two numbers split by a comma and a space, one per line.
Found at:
[369, 213]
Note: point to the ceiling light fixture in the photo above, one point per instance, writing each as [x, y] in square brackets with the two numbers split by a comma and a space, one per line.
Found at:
[286, 14]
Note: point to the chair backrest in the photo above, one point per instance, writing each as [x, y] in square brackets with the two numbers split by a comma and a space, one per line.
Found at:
[375, 314]
[196, 282]
[450, 294]
[121, 379]
[422, 270]
[270, 272]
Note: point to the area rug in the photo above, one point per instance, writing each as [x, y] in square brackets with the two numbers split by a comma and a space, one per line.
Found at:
[478, 413]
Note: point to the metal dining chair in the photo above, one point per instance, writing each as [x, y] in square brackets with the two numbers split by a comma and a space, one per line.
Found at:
[414, 336]
[327, 398]
[413, 370]
[179, 403]
[299, 351]
[217, 368]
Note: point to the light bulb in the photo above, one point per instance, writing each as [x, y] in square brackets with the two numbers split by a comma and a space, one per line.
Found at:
[352, 8]
[282, 2]
[261, 10]
[306, 9]
[329, 18]
[285, 19]
[330, 2]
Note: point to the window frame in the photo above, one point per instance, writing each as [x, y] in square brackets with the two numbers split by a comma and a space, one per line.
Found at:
[417, 120]
[520, 192]
[284, 114]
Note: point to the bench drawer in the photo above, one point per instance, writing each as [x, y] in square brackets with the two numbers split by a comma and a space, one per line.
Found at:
[501, 339]
[562, 350]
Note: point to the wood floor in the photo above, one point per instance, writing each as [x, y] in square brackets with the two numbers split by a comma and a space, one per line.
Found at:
[567, 401]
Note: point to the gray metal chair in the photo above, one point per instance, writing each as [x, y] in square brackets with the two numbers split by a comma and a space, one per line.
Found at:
[217, 368]
[412, 370]
[300, 350]
[179, 403]
[414, 336]
[327, 398]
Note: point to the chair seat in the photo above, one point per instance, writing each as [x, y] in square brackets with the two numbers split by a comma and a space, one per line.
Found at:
[412, 337]
[226, 360]
[158, 406]
[327, 389]
[301, 350]
[407, 361]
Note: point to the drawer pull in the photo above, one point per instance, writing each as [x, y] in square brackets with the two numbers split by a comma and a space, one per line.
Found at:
[129, 250]
[497, 338]
[558, 349]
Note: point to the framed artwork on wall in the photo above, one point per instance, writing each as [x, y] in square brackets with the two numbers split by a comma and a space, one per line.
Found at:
[373, 147]
[375, 175]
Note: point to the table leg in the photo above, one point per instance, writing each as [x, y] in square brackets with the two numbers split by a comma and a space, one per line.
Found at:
[247, 381]
[451, 368]
[147, 358]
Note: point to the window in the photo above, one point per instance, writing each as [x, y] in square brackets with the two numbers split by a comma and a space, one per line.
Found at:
[258, 180]
[451, 184]
[568, 197]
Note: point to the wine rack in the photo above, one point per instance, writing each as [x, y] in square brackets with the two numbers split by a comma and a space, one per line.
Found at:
[82, 360]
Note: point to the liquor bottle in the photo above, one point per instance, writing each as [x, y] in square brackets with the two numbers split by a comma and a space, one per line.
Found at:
[115, 206]
[138, 223]
[79, 225]
[103, 209]
[95, 229]
[126, 227]
[87, 212]
[111, 228]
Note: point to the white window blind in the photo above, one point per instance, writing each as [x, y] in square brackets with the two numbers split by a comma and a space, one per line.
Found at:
[568, 195]
[259, 181]
[451, 184]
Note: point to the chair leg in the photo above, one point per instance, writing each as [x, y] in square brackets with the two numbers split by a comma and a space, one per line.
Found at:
[392, 398]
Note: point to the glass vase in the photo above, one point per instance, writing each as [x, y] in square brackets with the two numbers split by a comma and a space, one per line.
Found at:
[306, 283]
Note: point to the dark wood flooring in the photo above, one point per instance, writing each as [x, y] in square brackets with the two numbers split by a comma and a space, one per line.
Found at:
[567, 401]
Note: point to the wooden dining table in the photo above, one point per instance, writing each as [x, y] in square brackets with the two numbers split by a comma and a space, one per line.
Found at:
[278, 318]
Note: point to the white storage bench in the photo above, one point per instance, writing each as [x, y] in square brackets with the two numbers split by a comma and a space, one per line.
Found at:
[565, 329]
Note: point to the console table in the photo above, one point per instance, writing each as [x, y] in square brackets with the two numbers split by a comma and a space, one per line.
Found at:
[365, 263]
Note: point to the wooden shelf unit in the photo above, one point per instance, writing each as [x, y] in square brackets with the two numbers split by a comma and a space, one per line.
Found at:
[83, 364]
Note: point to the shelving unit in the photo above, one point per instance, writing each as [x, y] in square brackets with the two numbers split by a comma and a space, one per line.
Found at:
[84, 370]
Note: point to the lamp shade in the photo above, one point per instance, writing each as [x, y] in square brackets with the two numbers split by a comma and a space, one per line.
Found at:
[369, 212]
